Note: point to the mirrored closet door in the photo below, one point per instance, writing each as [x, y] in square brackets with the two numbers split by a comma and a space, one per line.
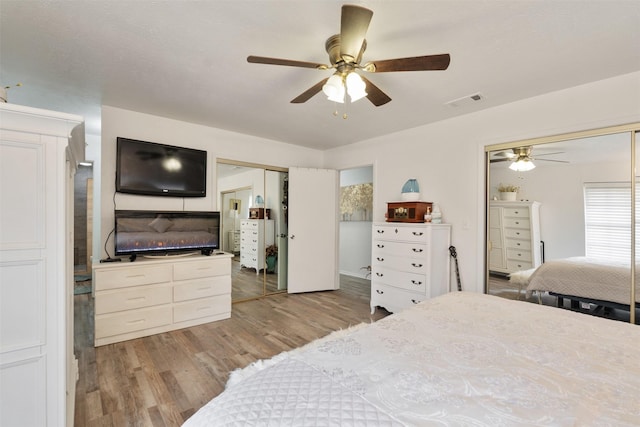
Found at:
[253, 204]
[568, 215]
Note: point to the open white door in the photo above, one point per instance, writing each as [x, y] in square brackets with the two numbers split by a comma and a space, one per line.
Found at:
[313, 230]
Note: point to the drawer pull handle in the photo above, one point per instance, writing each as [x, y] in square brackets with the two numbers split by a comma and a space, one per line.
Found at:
[380, 231]
[418, 233]
[379, 291]
[203, 308]
[131, 322]
[205, 288]
[380, 245]
[379, 274]
[415, 301]
[137, 299]
[380, 259]
[517, 233]
[418, 250]
[416, 265]
[517, 222]
[516, 212]
[518, 244]
[416, 282]
[135, 275]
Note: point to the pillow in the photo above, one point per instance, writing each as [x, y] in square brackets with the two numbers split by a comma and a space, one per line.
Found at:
[160, 224]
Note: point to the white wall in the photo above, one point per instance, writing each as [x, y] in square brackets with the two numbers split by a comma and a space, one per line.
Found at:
[355, 236]
[447, 157]
[218, 143]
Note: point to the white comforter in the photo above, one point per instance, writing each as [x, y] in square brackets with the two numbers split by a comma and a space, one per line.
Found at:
[462, 359]
[592, 278]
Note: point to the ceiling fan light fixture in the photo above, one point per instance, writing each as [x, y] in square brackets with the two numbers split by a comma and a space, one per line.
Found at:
[334, 88]
[356, 87]
[522, 165]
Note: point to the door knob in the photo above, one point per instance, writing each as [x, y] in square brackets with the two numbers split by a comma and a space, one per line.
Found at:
[292, 236]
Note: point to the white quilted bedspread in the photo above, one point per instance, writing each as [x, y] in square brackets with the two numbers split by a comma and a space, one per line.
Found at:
[462, 359]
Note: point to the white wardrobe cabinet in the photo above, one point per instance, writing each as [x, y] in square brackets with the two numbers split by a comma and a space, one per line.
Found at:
[39, 153]
[514, 236]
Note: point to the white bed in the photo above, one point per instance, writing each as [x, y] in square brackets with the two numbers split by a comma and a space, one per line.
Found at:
[584, 278]
[462, 359]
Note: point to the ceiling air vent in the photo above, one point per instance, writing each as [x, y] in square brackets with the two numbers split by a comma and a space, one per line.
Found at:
[466, 100]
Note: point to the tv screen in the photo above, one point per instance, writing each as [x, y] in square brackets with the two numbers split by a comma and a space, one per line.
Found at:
[160, 170]
[163, 232]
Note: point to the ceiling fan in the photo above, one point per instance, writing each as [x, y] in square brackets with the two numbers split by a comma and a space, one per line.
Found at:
[345, 54]
[521, 158]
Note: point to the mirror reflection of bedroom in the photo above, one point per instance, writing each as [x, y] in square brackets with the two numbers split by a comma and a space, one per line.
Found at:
[558, 224]
[253, 227]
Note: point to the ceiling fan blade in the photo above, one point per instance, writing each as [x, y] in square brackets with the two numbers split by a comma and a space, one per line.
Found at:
[307, 94]
[353, 28]
[291, 63]
[416, 63]
[374, 94]
[500, 160]
[550, 160]
[549, 154]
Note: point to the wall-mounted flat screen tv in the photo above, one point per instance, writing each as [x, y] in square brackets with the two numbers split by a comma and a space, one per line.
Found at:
[156, 169]
[166, 233]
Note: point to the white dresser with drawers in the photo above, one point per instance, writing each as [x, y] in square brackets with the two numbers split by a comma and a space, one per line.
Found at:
[410, 263]
[150, 296]
[514, 236]
[255, 236]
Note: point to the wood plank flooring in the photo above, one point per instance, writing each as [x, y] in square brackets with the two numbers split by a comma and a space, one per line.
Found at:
[163, 379]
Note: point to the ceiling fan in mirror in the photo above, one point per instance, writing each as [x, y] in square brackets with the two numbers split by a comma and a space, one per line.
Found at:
[521, 158]
[345, 55]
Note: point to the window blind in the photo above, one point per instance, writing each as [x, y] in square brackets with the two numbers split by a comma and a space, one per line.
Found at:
[608, 220]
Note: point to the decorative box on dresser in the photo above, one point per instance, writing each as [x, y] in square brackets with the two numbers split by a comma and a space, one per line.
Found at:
[255, 236]
[514, 236]
[410, 263]
[39, 153]
[150, 296]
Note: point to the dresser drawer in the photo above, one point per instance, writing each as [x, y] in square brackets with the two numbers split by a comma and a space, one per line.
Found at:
[401, 264]
[202, 308]
[411, 250]
[399, 233]
[131, 276]
[129, 299]
[518, 244]
[131, 321]
[201, 288]
[400, 279]
[523, 223]
[516, 212]
[198, 269]
[517, 265]
[518, 255]
[517, 233]
[249, 225]
[393, 299]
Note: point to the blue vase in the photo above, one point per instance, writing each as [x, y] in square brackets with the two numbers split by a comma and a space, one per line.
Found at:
[411, 190]
[411, 186]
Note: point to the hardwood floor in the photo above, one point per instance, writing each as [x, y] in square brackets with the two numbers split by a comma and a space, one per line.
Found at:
[163, 379]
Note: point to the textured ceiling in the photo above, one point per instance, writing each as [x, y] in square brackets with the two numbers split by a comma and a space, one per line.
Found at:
[187, 59]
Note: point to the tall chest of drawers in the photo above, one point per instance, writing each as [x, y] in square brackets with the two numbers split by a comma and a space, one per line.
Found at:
[410, 263]
[255, 236]
[150, 296]
[514, 236]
